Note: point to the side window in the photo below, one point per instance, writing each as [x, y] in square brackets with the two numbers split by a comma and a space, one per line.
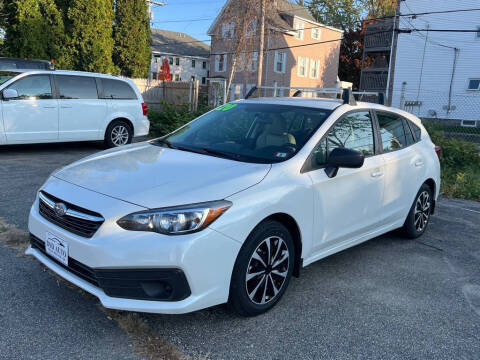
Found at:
[353, 131]
[76, 87]
[35, 87]
[116, 89]
[408, 132]
[392, 132]
[416, 130]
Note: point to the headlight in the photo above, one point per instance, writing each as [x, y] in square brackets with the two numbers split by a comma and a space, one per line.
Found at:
[176, 220]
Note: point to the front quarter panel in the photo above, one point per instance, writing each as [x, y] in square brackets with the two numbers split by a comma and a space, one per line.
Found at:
[282, 191]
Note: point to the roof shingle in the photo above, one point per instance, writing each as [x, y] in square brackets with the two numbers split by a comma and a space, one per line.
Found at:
[177, 43]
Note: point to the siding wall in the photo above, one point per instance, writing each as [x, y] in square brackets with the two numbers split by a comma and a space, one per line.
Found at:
[431, 86]
[184, 70]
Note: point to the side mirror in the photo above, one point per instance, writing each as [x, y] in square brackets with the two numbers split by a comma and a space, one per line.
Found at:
[343, 158]
[9, 94]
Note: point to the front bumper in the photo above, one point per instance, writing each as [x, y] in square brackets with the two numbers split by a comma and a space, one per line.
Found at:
[205, 258]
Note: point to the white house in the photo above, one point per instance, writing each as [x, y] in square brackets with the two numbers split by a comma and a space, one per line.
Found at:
[437, 74]
[188, 57]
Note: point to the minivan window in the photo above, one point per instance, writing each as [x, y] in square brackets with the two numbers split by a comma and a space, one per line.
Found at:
[34, 87]
[76, 87]
[116, 89]
[392, 131]
[7, 75]
[249, 132]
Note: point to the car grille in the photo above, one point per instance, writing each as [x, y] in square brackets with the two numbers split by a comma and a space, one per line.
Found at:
[75, 219]
[139, 284]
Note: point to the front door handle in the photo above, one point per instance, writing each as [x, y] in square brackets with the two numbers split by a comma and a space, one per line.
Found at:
[66, 107]
[377, 174]
[50, 107]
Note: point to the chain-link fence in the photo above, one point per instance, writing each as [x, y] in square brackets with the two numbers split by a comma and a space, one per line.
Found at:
[458, 115]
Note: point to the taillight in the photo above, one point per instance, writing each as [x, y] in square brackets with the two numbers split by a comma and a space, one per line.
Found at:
[438, 150]
[144, 109]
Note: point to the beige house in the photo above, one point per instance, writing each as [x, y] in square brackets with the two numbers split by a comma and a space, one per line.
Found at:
[300, 52]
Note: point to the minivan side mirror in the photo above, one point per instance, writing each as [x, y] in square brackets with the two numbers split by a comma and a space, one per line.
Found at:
[9, 94]
[343, 158]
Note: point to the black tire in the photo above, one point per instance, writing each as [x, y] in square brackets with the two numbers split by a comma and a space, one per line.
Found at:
[419, 215]
[264, 298]
[118, 127]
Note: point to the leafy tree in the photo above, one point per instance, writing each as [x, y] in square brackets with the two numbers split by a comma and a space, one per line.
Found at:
[351, 52]
[133, 37]
[53, 31]
[343, 14]
[24, 29]
[380, 8]
[90, 25]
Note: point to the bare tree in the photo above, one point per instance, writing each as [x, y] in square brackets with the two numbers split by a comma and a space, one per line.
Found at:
[239, 32]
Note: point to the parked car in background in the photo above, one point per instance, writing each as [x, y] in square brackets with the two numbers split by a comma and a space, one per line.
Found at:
[25, 64]
[59, 106]
[232, 204]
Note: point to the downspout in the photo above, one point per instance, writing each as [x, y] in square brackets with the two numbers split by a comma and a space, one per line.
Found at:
[455, 53]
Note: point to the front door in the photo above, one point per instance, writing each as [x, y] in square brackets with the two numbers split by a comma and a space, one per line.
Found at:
[33, 115]
[348, 205]
[81, 111]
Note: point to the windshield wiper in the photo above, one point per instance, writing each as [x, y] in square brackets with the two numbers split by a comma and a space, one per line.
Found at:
[164, 142]
[236, 157]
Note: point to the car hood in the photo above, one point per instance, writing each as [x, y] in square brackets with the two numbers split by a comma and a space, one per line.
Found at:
[153, 176]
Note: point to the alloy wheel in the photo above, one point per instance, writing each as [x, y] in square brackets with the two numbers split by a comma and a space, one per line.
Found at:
[422, 211]
[267, 270]
[120, 135]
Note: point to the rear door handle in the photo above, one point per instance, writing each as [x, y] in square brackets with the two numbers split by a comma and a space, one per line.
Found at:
[419, 163]
[377, 174]
[66, 107]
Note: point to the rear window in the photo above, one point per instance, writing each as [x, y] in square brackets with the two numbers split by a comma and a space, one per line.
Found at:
[116, 89]
[76, 87]
[416, 130]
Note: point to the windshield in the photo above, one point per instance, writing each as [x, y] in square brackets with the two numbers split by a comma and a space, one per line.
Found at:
[7, 75]
[260, 133]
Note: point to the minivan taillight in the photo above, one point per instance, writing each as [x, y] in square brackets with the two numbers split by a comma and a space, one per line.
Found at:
[438, 150]
[144, 109]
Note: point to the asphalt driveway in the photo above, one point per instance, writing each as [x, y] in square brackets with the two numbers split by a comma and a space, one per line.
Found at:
[386, 299]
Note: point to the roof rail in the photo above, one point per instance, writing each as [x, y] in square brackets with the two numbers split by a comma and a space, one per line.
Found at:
[343, 93]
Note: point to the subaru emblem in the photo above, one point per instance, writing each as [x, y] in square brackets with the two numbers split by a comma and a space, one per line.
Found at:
[60, 209]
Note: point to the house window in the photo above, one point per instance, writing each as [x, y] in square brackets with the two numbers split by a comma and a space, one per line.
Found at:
[204, 65]
[302, 66]
[315, 69]
[251, 29]
[474, 84]
[170, 60]
[177, 77]
[228, 31]
[177, 61]
[299, 27]
[253, 63]
[193, 63]
[220, 63]
[316, 32]
[280, 62]
[204, 80]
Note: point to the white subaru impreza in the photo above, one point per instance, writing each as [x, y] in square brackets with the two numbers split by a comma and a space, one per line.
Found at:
[230, 206]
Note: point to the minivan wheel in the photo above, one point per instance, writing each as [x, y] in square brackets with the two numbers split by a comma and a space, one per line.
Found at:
[118, 133]
[262, 270]
[419, 215]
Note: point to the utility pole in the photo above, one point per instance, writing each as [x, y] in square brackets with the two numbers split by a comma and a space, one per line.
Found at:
[393, 54]
[153, 2]
[262, 43]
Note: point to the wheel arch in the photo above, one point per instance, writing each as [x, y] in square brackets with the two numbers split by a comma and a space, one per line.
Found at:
[292, 226]
[121, 118]
[433, 186]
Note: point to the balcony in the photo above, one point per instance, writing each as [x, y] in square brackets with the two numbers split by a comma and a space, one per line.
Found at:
[374, 80]
[378, 37]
